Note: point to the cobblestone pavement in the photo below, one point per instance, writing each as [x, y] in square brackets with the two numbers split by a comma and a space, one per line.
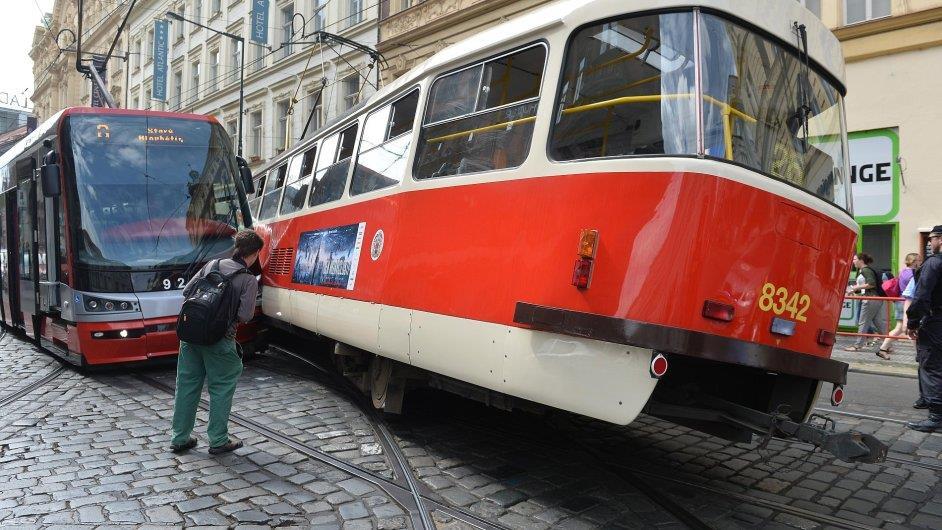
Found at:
[91, 450]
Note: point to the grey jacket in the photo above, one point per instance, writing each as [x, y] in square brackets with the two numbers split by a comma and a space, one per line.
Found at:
[245, 284]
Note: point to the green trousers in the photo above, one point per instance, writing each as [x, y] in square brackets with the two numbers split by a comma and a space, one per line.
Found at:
[221, 366]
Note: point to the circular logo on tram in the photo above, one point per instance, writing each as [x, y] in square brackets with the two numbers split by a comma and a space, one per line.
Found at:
[376, 247]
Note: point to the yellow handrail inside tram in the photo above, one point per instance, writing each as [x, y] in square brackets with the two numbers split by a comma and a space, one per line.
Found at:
[729, 112]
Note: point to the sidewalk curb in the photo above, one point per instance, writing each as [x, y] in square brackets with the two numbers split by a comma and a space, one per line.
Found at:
[897, 370]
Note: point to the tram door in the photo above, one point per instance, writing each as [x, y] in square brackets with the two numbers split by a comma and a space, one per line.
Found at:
[9, 260]
[25, 235]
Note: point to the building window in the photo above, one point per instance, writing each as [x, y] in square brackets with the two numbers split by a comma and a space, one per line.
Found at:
[232, 127]
[281, 125]
[862, 10]
[258, 58]
[317, 119]
[255, 121]
[197, 10]
[178, 31]
[236, 59]
[136, 103]
[213, 71]
[216, 7]
[319, 15]
[194, 81]
[812, 5]
[355, 16]
[287, 16]
[136, 56]
[351, 91]
[177, 100]
[149, 45]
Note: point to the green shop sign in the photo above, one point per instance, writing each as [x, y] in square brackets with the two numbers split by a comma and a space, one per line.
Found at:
[874, 175]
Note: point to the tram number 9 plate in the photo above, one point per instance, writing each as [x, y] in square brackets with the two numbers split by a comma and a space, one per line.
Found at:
[779, 300]
[177, 282]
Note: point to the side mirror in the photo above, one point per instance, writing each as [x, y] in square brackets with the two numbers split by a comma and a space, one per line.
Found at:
[246, 175]
[49, 175]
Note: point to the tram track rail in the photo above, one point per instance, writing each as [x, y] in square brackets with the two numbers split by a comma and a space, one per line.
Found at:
[31, 387]
[404, 492]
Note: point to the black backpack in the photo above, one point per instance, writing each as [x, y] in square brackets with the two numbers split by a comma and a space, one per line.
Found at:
[879, 285]
[210, 309]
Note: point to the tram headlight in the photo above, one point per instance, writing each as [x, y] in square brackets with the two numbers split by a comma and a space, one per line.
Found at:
[101, 305]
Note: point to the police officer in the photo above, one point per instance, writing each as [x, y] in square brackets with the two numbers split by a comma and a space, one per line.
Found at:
[925, 325]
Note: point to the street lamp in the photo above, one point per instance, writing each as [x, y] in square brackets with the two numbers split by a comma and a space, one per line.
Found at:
[241, 41]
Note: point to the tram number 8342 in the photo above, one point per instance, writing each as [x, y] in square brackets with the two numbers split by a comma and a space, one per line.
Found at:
[779, 301]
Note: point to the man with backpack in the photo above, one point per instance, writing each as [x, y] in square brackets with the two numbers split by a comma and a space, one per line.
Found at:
[219, 296]
[924, 324]
[872, 312]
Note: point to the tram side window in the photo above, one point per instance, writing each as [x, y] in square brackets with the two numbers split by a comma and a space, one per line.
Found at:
[276, 179]
[257, 197]
[628, 88]
[295, 191]
[331, 177]
[481, 118]
[387, 135]
[25, 231]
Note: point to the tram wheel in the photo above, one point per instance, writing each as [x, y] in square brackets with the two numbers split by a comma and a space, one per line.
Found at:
[386, 390]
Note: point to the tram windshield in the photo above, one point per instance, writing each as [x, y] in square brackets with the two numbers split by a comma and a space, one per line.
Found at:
[629, 89]
[152, 192]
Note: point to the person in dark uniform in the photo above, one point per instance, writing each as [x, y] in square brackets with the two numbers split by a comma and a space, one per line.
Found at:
[925, 326]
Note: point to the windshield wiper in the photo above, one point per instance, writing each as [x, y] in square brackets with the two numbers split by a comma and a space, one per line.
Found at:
[803, 112]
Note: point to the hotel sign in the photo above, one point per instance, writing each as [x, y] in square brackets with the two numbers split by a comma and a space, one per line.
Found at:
[160, 61]
[260, 21]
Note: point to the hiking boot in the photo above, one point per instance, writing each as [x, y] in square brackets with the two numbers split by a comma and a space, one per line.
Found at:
[184, 447]
[225, 448]
[920, 404]
[931, 424]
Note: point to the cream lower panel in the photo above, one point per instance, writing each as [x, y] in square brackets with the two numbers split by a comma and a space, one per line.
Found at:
[465, 349]
[349, 321]
[393, 335]
[607, 381]
[276, 303]
[304, 309]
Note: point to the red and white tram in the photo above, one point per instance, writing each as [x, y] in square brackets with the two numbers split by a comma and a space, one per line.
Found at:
[600, 208]
[105, 215]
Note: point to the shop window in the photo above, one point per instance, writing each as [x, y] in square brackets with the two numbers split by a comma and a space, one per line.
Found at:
[481, 118]
[330, 178]
[384, 146]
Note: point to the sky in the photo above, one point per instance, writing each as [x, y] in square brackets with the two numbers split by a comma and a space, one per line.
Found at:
[16, 35]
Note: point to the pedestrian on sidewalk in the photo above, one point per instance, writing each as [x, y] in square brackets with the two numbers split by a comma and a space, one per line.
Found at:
[924, 323]
[219, 363]
[913, 261]
[871, 311]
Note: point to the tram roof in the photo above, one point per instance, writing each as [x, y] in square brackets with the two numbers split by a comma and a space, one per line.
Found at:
[774, 17]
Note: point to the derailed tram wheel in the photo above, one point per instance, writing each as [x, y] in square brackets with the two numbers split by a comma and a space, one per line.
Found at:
[380, 374]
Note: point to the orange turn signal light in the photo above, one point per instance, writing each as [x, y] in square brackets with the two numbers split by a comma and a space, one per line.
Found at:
[588, 243]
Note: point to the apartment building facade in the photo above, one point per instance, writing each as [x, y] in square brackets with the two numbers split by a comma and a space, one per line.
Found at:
[282, 78]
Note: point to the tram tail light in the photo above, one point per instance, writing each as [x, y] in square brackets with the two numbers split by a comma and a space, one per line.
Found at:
[658, 365]
[826, 338]
[582, 272]
[588, 243]
[837, 395]
[588, 246]
[718, 311]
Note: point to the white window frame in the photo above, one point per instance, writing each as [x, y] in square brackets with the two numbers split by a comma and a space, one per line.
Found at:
[258, 132]
[279, 140]
[868, 13]
[178, 33]
[350, 99]
[213, 82]
[195, 72]
[215, 8]
[354, 13]
[804, 3]
[177, 99]
[287, 16]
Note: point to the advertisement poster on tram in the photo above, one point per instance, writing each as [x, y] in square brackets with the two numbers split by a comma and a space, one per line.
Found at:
[329, 257]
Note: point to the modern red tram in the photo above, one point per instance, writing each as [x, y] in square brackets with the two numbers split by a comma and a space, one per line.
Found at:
[600, 208]
[105, 215]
